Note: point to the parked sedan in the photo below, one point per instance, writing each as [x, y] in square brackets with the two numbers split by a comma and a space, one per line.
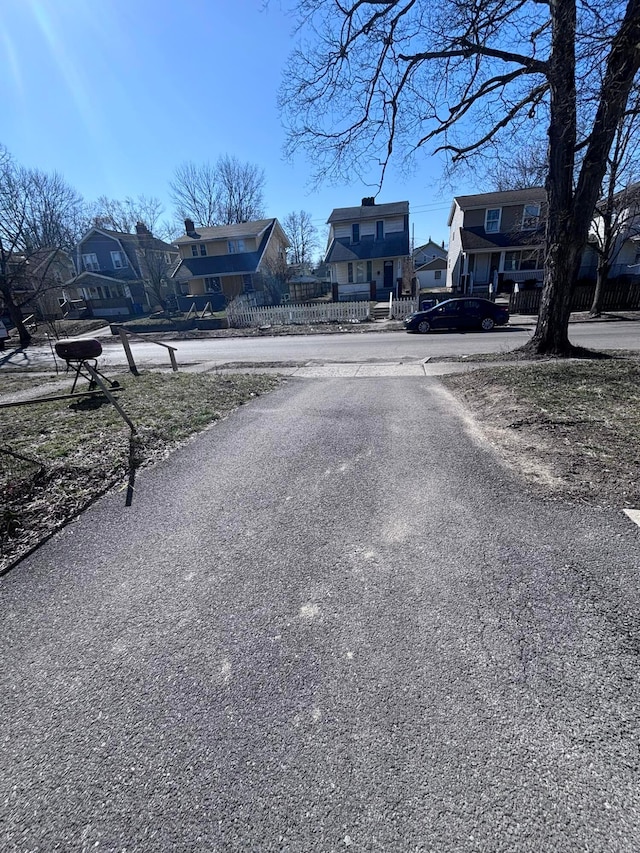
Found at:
[467, 313]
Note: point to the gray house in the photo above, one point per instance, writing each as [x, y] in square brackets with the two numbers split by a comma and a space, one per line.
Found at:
[120, 274]
[368, 250]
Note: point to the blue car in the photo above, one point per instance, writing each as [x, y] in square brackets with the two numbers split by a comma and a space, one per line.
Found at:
[466, 313]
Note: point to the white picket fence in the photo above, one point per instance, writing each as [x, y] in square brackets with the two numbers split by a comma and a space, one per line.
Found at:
[401, 307]
[286, 315]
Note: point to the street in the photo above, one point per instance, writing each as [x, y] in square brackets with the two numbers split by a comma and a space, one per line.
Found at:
[349, 347]
[332, 622]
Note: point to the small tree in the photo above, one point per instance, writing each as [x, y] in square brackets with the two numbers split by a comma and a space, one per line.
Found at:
[619, 207]
[156, 264]
[303, 236]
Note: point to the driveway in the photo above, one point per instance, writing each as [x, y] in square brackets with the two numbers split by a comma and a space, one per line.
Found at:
[333, 621]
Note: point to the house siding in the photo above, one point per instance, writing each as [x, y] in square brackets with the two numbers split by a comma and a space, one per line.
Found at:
[102, 245]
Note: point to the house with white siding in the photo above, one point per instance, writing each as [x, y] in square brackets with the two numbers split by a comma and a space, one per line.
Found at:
[368, 251]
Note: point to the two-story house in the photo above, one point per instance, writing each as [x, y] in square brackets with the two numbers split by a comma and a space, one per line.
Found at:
[368, 250]
[496, 240]
[121, 274]
[430, 265]
[217, 264]
[39, 279]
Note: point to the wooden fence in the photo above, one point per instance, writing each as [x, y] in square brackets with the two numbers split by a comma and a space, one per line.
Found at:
[285, 315]
[617, 296]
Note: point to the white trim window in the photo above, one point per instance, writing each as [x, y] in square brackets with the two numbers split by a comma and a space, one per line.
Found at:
[530, 216]
[492, 220]
[90, 262]
[213, 284]
[236, 247]
[119, 260]
[198, 249]
[437, 275]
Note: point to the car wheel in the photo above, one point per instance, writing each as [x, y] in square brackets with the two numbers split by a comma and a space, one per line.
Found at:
[424, 326]
[487, 324]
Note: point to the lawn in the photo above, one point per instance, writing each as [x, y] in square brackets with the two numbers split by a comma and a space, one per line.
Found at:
[56, 458]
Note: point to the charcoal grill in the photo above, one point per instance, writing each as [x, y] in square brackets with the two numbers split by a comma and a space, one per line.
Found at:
[78, 353]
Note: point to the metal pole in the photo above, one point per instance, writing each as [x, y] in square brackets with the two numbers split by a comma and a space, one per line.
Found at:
[128, 353]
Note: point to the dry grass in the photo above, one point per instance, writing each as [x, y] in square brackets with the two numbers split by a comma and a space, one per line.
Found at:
[571, 428]
[56, 458]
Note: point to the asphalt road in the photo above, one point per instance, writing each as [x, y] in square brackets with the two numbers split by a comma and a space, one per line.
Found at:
[361, 348]
[331, 622]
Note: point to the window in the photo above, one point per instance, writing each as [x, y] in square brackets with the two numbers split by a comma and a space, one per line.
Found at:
[213, 284]
[198, 249]
[247, 283]
[437, 274]
[492, 220]
[119, 260]
[511, 261]
[355, 233]
[530, 259]
[530, 216]
[235, 246]
[90, 262]
[350, 272]
[380, 230]
[360, 272]
[369, 271]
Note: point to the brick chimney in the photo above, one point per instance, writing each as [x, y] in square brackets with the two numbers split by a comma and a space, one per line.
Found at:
[142, 230]
[189, 227]
[369, 201]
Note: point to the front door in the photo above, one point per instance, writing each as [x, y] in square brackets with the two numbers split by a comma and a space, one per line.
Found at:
[388, 275]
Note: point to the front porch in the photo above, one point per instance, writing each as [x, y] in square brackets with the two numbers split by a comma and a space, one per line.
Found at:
[506, 271]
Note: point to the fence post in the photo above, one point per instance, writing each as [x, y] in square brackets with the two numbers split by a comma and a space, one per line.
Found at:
[128, 353]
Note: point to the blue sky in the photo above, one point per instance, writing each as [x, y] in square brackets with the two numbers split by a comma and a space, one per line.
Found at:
[115, 95]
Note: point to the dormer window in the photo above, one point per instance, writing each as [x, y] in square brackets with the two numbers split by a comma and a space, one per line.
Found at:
[492, 220]
[530, 216]
[119, 260]
[198, 249]
[236, 246]
[355, 232]
[380, 229]
[90, 261]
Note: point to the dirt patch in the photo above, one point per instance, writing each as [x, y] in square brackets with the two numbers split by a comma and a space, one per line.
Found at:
[569, 428]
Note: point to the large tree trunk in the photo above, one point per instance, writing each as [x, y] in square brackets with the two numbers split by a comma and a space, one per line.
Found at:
[562, 243]
[15, 313]
[570, 212]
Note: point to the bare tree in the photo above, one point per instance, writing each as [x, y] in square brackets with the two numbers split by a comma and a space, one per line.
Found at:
[377, 76]
[156, 264]
[224, 194]
[40, 216]
[123, 214]
[526, 168]
[303, 236]
[194, 191]
[241, 191]
[617, 212]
